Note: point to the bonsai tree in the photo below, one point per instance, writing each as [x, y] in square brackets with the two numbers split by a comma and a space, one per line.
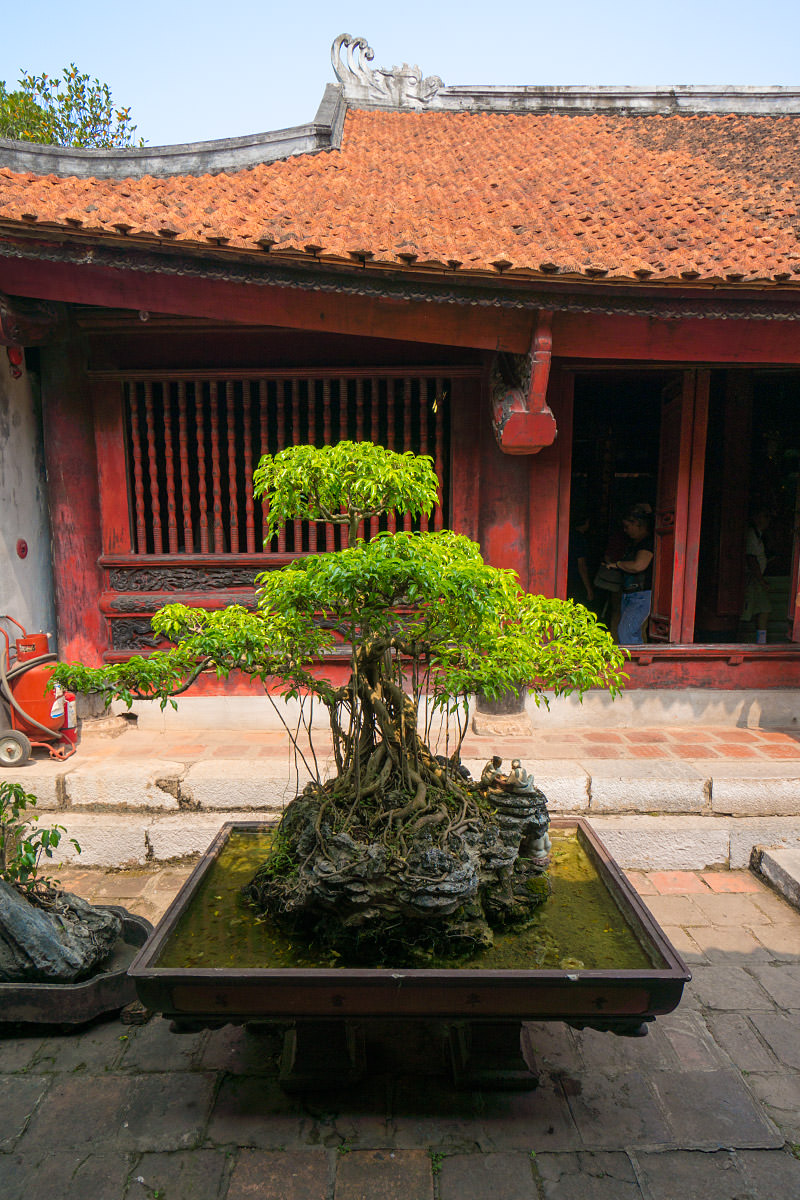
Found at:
[396, 853]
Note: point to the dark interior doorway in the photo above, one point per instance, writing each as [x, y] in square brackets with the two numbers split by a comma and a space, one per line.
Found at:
[746, 458]
[615, 463]
[751, 464]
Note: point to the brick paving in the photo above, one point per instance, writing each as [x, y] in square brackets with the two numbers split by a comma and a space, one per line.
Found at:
[707, 1107]
[674, 742]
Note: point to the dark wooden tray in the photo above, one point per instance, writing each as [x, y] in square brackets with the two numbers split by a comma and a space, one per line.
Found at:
[619, 1000]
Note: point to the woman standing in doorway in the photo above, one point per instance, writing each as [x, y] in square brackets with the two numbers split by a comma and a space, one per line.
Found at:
[636, 565]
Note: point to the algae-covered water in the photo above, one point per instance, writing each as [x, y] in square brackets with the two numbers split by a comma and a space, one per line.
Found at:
[579, 927]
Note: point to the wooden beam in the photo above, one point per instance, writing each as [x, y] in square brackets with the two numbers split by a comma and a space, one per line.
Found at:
[644, 339]
[448, 324]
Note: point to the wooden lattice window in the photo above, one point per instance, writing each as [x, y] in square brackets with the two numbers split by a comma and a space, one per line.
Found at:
[193, 445]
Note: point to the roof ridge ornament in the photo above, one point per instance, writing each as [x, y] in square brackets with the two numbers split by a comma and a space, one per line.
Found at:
[400, 87]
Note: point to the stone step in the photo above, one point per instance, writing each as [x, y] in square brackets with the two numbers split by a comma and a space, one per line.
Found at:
[591, 786]
[780, 866]
[691, 843]
[637, 842]
[134, 839]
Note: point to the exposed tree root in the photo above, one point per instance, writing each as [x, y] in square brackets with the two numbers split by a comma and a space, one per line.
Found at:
[382, 876]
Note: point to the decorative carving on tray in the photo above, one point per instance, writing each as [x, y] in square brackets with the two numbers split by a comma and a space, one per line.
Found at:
[401, 87]
[180, 579]
[149, 602]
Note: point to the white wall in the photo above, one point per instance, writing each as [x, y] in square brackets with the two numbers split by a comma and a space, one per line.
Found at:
[26, 588]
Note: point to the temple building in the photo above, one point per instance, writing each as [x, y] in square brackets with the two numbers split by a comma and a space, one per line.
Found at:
[576, 300]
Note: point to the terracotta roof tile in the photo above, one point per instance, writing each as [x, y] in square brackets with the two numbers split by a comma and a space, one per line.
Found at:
[600, 195]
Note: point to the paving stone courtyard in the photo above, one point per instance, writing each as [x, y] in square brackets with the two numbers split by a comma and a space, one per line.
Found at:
[706, 1106]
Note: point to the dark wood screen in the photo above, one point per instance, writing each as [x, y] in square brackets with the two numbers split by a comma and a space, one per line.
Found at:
[193, 445]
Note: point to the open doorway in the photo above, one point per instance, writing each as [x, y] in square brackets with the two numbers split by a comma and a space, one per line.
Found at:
[750, 491]
[615, 467]
[709, 452]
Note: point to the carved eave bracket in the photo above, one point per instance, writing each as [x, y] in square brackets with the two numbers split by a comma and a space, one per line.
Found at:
[25, 322]
[523, 422]
[400, 87]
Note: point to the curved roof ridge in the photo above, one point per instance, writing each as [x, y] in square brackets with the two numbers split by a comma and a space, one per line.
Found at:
[185, 158]
[399, 89]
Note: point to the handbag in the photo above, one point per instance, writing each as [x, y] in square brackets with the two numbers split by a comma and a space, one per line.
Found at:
[608, 579]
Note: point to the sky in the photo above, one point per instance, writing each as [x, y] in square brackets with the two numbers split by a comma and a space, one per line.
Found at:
[192, 71]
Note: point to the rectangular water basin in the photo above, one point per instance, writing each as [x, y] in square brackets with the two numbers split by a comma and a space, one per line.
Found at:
[197, 976]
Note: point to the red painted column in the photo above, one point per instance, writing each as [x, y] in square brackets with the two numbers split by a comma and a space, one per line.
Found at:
[503, 511]
[74, 502]
[465, 456]
[549, 479]
[112, 469]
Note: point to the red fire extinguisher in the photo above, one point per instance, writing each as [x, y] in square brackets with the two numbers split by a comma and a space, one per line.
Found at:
[31, 713]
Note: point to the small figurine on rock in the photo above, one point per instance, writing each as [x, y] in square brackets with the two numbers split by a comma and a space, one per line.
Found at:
[519, 784]
[491, 775]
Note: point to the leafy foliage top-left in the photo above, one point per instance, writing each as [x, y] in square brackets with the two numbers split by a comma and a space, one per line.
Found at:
[73, 110]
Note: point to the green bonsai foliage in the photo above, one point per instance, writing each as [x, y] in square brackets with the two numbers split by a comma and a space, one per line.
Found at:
[397, 848]
[21, 845]
[344, 484]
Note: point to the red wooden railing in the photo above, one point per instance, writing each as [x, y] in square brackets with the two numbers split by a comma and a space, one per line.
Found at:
[194, 440]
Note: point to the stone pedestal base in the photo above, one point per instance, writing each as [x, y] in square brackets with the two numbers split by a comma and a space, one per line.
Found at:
[487, 1055]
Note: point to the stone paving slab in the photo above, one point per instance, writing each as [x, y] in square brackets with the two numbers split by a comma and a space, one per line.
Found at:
[75, 1174]
[671, 1174]
[281, 1175]
[719, 945]
[193, 1174]
[729, 988]
[781, 982]
[384, 1174]
[779, 1094]
[598, 1176]
[782, 941]
[686, 1030]
[255, 1112]
[21, 1097]
[617, 1111]
[146, 1112]
[468, 1177]
[737, 1035]
[710, 1109]
[781, 1032]
[770, 1175]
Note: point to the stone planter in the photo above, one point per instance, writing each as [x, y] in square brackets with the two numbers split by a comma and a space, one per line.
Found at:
[330, 1012]
[69, 1004]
